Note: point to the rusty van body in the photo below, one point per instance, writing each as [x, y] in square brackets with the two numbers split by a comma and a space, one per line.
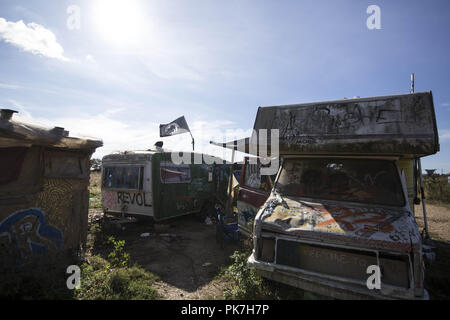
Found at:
[150, 184]
[342, 198]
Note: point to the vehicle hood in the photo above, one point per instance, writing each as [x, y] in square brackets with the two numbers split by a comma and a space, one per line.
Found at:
[345, 223]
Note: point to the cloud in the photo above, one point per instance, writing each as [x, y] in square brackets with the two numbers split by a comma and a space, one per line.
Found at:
[31, 37]
[9, 86]
[446, 104]
[168, 66]
[117, 135]
[89, 58]
[444, 135]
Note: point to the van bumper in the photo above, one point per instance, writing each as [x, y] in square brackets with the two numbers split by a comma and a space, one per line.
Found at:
[325, 287]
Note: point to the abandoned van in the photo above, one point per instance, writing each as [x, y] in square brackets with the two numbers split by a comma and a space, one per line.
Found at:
[149, 183]
[340, 207]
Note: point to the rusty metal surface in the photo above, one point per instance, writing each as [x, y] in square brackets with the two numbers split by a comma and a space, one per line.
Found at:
[390, 125]
[340, 262]
[329, 288]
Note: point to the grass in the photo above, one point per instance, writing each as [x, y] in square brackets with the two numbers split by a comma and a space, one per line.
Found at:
[102, 281]
[437, 190]
[111, 277]
[246, 283]
[107, 275]
[101, 278]
[438, 203]
[105, 271]
[241, 282]
[95, 192]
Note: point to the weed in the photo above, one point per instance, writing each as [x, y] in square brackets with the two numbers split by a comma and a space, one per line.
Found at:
[118, 257]
[247, 283]
[437, 189]
[100, 281]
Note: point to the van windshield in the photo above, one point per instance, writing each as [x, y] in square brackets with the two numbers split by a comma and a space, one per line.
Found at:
[355, 180]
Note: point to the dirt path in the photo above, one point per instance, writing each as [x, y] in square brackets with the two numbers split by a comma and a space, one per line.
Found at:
[438, 273]
[438, 218]
[183, 253]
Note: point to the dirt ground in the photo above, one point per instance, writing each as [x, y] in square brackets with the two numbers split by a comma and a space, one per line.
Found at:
[183, 253]
[437, 274]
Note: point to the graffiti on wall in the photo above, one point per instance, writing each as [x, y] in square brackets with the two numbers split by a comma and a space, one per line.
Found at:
[133, 198]
[110, 200]
[352, 117]
[246, 216]
[26, 234]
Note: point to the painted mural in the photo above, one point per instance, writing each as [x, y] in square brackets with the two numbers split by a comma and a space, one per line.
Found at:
[26, 234]
[395, 229]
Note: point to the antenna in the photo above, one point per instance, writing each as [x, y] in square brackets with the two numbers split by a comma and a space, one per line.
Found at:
[412, 82]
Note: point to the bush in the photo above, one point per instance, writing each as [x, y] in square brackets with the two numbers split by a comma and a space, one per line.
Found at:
[437, 188]
[101, 281]
[118, 257]
[247, 283]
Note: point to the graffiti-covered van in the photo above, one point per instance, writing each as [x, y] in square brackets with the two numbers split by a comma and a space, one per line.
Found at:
[339, 220]
[44, 197]
[151, 184]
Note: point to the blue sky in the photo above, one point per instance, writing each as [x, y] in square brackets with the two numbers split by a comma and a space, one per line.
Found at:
[135, 64]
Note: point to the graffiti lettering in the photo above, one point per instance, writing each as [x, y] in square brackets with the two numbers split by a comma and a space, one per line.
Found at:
[338, 119]
[132, 198]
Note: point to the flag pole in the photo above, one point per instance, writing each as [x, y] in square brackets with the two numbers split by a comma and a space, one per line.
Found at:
[193, 142]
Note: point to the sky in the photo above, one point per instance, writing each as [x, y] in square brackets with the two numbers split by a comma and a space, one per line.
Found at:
[116, 69]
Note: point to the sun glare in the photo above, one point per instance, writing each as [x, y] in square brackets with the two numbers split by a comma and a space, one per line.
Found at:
[120, 22]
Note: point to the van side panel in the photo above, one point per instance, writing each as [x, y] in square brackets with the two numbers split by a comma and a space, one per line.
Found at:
[180, 189]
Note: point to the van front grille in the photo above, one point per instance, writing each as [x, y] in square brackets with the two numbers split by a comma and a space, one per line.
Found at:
[345, 263]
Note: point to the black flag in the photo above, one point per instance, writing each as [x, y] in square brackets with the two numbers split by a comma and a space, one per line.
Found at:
[177, 126]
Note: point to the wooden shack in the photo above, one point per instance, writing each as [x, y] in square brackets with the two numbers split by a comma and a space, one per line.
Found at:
[44, 197]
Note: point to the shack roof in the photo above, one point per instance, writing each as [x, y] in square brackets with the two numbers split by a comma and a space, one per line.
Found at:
[398, 125]
[18, 134]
